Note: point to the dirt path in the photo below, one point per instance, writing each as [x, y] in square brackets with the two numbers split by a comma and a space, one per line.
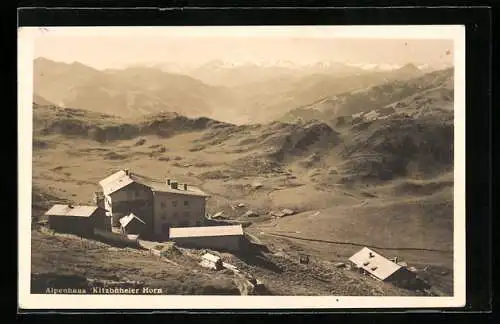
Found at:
[357, 244]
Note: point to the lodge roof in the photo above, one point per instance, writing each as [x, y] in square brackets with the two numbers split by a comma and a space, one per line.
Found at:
[121, 179]
[115, 182]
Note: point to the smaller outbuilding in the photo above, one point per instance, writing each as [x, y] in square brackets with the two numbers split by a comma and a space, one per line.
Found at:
[229, 238]
[132, 225]
[79, 220]
[211, 261]
[381, 268]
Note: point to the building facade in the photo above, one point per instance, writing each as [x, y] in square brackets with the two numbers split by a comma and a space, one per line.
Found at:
[160, 205]
[173, 209]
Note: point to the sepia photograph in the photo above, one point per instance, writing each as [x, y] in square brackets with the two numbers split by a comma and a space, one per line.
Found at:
[320, 166]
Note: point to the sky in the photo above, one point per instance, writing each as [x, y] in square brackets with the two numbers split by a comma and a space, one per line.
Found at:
[115, 47]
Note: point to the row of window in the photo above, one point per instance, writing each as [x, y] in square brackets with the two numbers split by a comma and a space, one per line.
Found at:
[174, 214]
[174, 203]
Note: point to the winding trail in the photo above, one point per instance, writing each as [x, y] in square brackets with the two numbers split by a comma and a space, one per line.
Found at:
[358, 244]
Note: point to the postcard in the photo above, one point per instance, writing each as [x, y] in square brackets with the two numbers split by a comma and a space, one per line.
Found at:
[241, 167]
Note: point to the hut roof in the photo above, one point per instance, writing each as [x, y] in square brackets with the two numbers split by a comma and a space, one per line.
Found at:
[206, 231]
[374, 263]
[70, 210]
[124, 221]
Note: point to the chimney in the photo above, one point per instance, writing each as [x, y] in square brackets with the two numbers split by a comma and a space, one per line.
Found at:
[168, 182]
[99, 199]
[126, 171]
[174, 184]
[185, 186]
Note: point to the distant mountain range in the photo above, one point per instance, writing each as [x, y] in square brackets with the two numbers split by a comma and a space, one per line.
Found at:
[240, 93]
[219, 72]
[271, 98]
[310, 67]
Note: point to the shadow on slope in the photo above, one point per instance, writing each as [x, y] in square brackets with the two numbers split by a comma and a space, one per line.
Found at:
[102, 128]
[383, 150]
[41, 201]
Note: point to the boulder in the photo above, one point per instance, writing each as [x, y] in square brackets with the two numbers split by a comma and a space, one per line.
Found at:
[288, 212]
[230, 267]
[140, 142]
[339, 265]
[240, 205]
[257, 185]
[259, 285]
[444, 272]
[250, 213]
[276, 214]
[218, 215]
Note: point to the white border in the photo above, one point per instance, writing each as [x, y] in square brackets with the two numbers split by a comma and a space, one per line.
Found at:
[25, 95]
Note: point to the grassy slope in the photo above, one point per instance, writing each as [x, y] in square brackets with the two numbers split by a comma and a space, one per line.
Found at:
[69, 255]
[62, 255]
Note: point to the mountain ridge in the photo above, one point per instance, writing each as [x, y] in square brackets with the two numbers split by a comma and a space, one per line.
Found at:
[126, 92]
[388, 96]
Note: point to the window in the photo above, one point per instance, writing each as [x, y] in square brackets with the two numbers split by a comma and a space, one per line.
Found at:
[174, 203]
[186, 203]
